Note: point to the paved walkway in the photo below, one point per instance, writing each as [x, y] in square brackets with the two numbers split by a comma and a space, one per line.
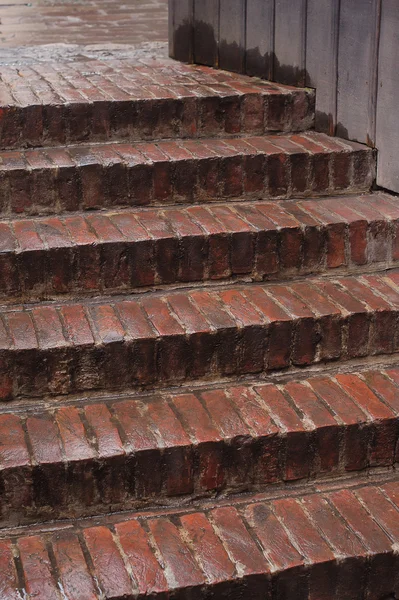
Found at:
[26, 23]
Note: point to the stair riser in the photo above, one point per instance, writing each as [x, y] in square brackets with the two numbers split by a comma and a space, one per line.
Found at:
[55, 353]
[267, 443]
[163, 118]
[60, 188]
[167, 254]
[227, 551]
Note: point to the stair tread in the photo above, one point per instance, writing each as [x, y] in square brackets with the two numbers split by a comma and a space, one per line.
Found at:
[116, 251]
[57, 103]
[73, 178]
[181, 335]
[138, 450]
[301, 539]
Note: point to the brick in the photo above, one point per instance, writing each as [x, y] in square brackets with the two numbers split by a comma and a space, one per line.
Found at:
[358, 320]
[239, 543]
[286, 562]
[207, 547]
[350, 580]
[153, 176]
[177, 455]
[138, 434]
[9, 583]
[311, 544]
[386, 430]
[359, 520]
[319, 418]
[147, 572]
[177, 557]
[380, 581]
[265, 458]
[108, 563]
[356, 437]
[384, 320]
[36, 567]
[72, 568]
[296, 462]
[141, 247]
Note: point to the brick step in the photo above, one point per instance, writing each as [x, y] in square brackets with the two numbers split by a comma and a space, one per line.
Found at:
[312, 543]
[182, 335]
[49, 104]
[119, 251]
[55, 180]
[90, 457]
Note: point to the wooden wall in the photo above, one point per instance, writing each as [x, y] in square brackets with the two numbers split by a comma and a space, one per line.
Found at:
[347, 49]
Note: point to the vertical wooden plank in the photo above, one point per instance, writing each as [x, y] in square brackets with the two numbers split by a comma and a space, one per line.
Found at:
[289, 42]
[387, 137]
[322, 59]
[357, 69]
[206, 32]
[232, 35]
[260, 38]
[180, 18]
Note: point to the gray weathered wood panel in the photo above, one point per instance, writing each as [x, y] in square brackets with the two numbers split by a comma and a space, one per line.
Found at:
[340, 47]
[206, 32]
[322, 59]
[289, 41]
[357, 60]
[232, 35]
[181, 29]
[260, 38]
[387, 100]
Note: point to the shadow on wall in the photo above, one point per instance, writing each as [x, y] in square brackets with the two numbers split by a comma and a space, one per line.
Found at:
[198, 44]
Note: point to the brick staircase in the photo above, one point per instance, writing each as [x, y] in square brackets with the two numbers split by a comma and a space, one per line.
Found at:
[198, 342]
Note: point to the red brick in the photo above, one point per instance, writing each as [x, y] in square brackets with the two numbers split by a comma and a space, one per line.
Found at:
[140, 438]
[207, 548]
[238, 453]
[329, 319]
[280, 328]
[108, 441]
[48, 327]
[336, 233]
[380, 581]
[296, 460]
[207, 439]
[177, 557]
[350, 578]
[384, 320]
[9, 582]
[384, 387]
[108, 563]
[371, 535]
[358, 321]
[356, 437]
[73, 571]
[75, 443]
[386, 429]
[312, 546]
[286, 562]
[22, 330]
[305, 339]
[240, 545]
[177, 454]
[37, 569]
[321, 421]
[265, 458]
[147, 572]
